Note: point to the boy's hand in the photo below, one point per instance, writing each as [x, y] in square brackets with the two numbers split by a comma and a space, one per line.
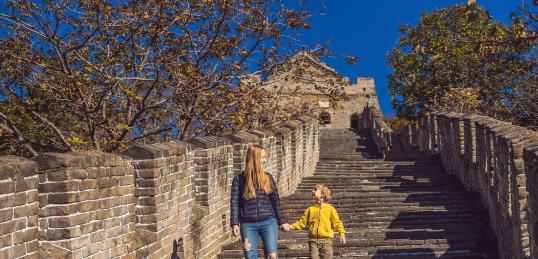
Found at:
[343, 239]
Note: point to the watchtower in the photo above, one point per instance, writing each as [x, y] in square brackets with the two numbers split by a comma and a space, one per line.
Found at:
[308, 89]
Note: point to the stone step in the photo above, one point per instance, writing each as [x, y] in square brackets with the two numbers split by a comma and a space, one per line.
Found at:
[390, 209]
[380, 189]
[382, 171]
[341, 171]
[358, 197]
[411, 169]
[379, 184]
[323, 165]
[350, 213]
[368, 163]
[396, 233]
[302, 243]
[418, 224]
[378, 161]
[376, 182]
[393, 252]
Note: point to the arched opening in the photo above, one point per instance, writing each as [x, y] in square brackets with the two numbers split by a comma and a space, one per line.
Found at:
[324, 118]
[354, 121]
[305, 108]
[177, 249]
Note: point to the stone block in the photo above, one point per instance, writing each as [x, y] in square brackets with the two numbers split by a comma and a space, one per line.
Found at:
[19, 199]
[77, 159]
[58, 234]
[141, 151]
[11, 166]
[282, 131]
[67, 186]
[305, 119]
[63, 198]
[175, 148]
[7, 187]
[104, 183]
[24, 236]
[262, 133]
[208, 142]
[56, 175]
[60, 210]
[6, 241]
[6, 214]
[293, 125]
[19, 250]
[243, 137]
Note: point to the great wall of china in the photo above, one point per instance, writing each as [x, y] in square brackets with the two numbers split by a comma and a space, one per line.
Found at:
[171, 199]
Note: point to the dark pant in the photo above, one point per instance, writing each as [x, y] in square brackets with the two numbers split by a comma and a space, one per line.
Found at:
[321, 248]
[250, 233]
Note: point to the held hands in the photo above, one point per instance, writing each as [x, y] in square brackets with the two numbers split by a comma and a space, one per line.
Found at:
[235, 230]
[285, 227]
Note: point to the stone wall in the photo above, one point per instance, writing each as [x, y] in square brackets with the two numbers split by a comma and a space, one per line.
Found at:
[495, 159]
[86, 206]
[165, 196]
[530, 158]
[18, 208]
[152, 201]
[284, 160]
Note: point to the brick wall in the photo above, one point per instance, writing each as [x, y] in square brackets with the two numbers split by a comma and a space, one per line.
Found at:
[164, 197]
[284, 160]
[530, 159]
[213, 175]
[495, 159]
[18, 208]
[86, 206]
[296, 151]
[308, 149]
[152, 201]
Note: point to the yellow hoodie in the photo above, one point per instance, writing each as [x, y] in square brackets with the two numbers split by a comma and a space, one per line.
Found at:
[322, 221]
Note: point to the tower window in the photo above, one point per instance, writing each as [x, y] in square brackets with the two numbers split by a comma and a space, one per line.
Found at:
[324, 118]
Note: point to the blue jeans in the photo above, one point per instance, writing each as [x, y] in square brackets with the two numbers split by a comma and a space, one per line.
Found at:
[250, 233]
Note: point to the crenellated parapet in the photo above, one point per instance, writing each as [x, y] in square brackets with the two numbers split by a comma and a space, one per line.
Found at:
[495, 159]
[152, 201]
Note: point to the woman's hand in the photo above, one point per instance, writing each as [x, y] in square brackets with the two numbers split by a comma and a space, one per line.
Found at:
[286, 227]
[235, 230]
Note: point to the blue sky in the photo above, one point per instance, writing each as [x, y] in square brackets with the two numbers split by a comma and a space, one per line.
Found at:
[369, 29]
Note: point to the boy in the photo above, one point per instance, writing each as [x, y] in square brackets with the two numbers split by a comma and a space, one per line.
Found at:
[322, 220]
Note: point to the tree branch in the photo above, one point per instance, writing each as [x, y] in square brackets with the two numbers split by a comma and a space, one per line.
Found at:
[18, 135]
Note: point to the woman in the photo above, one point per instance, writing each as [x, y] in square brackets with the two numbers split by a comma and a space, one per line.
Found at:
[255, 207]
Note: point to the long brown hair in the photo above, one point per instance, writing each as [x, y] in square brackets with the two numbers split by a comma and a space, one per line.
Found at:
[255, 176]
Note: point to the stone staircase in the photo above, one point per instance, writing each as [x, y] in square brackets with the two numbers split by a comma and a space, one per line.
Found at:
[391, 209]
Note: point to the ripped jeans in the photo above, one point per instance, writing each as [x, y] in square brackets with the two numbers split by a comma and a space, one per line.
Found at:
[250, 233]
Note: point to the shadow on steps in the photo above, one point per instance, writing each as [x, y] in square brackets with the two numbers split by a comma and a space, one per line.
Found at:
[456, 234]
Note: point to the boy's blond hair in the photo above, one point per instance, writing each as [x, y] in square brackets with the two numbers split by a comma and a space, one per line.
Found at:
[325, 192]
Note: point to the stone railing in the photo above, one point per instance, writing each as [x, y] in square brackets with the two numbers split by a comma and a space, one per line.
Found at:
[153, 201]
[496, 160]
